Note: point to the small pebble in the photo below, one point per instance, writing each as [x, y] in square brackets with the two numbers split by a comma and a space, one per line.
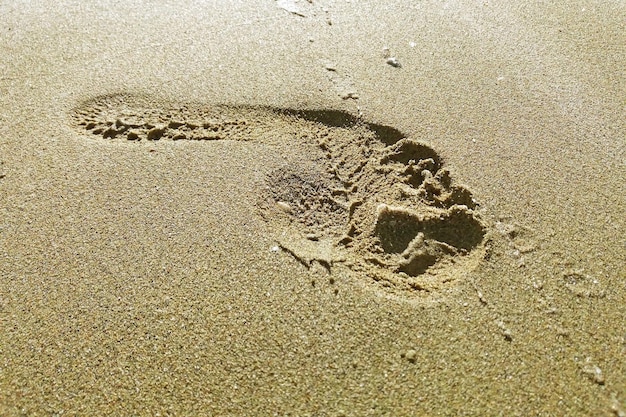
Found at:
[393, 61]
[411, 355]
[283, 206]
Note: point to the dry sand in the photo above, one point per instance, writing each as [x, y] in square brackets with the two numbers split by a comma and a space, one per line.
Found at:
[315, 208]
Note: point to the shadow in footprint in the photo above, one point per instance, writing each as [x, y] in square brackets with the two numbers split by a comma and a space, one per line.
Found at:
[335, 118]
[423, 238]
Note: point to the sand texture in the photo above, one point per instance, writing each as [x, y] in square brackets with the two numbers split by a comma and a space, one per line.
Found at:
[313, 208]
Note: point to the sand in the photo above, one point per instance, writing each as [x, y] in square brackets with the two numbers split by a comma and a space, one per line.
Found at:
[324, 208]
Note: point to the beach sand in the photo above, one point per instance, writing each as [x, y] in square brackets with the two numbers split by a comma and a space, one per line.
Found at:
[323, 208]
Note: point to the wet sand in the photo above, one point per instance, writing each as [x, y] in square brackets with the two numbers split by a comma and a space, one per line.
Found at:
[312, 208]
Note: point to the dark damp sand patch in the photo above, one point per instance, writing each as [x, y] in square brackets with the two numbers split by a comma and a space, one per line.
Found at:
[386, 203]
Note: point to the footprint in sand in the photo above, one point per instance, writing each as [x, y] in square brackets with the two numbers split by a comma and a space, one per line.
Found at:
[355, 195]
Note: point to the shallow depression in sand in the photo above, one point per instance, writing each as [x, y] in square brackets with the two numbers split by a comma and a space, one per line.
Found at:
[351, 194]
